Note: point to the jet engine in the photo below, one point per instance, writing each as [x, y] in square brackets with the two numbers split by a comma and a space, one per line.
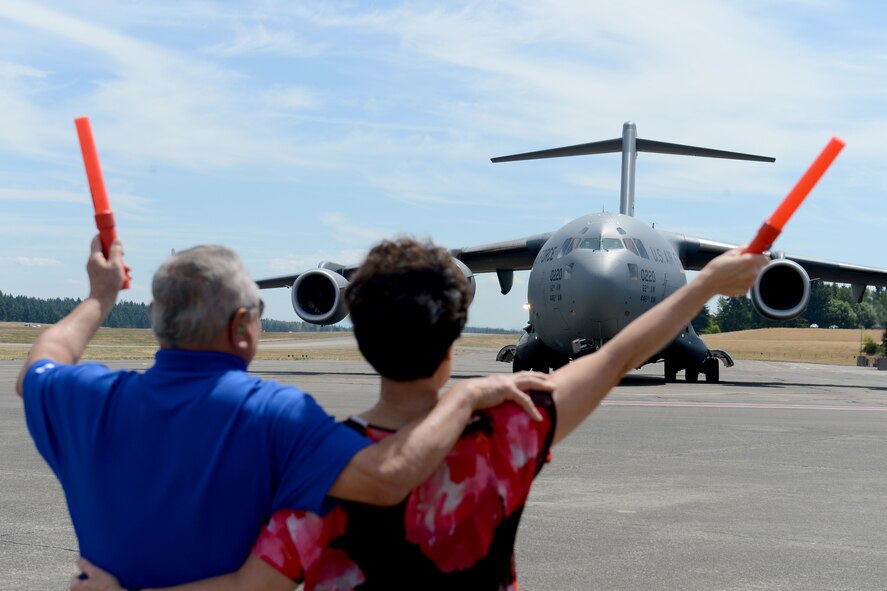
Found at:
[317, 296]
[781, 291]
[469, 275]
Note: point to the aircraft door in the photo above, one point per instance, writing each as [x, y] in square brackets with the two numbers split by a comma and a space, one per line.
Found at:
[548, 314]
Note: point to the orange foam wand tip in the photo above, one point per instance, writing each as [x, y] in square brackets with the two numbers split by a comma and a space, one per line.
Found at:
[93, 169]
[104, 217]
[775, 223]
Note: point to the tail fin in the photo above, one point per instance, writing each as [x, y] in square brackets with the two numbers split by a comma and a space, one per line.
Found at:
[629, 144]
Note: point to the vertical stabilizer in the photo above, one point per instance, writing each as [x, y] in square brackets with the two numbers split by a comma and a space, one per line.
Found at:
[629, 159]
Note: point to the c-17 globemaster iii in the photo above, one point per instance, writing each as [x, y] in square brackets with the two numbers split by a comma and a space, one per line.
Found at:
[596, 274]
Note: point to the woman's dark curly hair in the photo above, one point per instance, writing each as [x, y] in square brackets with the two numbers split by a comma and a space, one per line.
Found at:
[408, 302]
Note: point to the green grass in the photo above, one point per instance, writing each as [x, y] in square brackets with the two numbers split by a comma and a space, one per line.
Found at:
[829, 346]
[112, 344]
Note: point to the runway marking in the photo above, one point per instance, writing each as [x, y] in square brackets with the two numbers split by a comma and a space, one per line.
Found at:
[758, 405]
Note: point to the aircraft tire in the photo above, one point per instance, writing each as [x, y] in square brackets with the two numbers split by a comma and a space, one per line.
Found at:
[518, 365]
[671, 374]
[712, 370]
[556, 365]
[691, 375]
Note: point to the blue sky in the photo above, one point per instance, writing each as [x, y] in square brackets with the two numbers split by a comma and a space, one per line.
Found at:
[297, 132]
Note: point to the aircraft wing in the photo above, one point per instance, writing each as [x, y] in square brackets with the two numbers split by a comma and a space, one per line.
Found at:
[696, 252]
[285, 281]
[288, 280]
[515, 255]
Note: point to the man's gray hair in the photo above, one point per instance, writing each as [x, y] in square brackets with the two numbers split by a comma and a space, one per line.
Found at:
[195, 293]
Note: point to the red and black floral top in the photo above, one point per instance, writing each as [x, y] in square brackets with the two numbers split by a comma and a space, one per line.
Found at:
[455, 531]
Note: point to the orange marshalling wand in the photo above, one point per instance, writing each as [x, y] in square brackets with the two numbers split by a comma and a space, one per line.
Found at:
[773, 226]
[104, 217]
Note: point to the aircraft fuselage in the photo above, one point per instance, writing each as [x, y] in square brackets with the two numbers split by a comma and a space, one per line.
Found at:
[596, 275]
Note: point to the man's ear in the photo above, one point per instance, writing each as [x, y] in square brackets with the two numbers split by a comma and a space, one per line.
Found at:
[237, 329]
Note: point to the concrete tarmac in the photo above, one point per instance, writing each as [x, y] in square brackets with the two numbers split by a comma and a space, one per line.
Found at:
[775, 478]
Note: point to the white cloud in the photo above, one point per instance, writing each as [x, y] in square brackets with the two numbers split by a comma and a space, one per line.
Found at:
[12, 71]
[296, 262]
[346, 230]
[36, 261]
[260, 39]
[22, 119]
[289, 98]
[705, 70]
[150, 103]
[132, 206]
[42, 195]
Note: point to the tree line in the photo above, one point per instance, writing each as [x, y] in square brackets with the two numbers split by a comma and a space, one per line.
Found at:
[19, 308]
[269, 325]
[830, 305]
[124, 314]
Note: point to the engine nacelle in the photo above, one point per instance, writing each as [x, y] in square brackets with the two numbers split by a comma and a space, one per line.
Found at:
[781, 291]
[317, 296]
[469, 275]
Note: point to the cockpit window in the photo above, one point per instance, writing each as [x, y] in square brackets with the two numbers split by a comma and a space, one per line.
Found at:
[621, 231]
[568, 246]
[591, 243]
[641, 250]
[629, 244]
[611, 244]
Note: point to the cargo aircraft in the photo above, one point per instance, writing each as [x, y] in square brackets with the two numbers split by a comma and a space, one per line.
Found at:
[599, 272]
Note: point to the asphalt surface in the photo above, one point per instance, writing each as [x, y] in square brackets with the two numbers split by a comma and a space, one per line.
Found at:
[774, 479]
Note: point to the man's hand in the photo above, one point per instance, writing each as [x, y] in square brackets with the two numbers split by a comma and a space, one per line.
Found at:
[106, 276]
[733, 273]
[65, 341]
[97, 579]
[496, 389]
[384, 473]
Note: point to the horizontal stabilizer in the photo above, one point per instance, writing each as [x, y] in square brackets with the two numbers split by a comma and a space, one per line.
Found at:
[615, 145]
[604, 147]
[682, 150]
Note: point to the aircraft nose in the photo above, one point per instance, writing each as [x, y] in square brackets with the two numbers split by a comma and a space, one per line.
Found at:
[600, 285]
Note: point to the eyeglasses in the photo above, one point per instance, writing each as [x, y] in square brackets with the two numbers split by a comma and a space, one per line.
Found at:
[260, 306]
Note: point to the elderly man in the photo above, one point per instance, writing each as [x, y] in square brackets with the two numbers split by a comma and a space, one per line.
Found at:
[180, 466]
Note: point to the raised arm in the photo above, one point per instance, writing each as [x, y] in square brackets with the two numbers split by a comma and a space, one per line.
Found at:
[580, 386]
[66, 340]
[384, 473]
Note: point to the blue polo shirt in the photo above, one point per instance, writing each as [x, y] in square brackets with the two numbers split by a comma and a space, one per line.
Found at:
[170, 473]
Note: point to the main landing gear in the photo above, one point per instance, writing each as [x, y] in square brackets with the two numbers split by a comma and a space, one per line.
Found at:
[710, 368]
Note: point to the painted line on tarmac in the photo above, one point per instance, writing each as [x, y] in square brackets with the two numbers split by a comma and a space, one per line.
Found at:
[753, 405]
